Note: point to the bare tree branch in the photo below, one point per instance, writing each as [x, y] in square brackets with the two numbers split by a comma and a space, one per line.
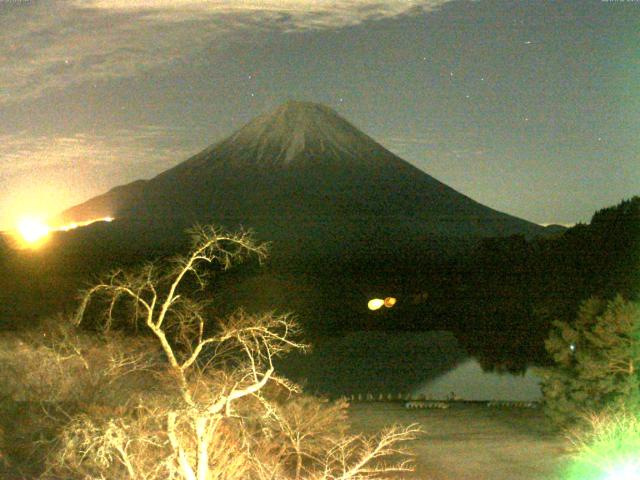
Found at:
[219, 418]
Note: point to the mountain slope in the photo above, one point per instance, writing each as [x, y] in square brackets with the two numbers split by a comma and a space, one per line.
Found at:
[302, 174]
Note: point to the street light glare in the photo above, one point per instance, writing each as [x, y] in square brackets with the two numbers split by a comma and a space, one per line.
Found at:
[375, 303]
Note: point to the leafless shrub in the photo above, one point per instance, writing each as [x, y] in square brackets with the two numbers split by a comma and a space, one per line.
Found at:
[605, 427]
[605, 444]
[360, 457]
[59, 363]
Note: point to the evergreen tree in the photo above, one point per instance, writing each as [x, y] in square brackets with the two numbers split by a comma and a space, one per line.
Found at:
[597, 359]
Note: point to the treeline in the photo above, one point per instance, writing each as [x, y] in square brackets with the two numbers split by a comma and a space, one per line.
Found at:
[499, 297]
[513, 288]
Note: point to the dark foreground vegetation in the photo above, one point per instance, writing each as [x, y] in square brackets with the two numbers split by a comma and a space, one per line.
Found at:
[141, 383]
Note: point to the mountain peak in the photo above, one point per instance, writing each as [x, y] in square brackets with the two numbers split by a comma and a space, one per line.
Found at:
[303, 108]
[302, 168]
[297, 132]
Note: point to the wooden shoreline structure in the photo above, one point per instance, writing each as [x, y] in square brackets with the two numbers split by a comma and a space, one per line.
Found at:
[422, 402]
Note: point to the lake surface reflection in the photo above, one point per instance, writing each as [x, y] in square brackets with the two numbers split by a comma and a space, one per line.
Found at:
[431, 363]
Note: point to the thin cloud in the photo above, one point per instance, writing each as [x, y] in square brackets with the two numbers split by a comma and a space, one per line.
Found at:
[21, 154]
[52, 45]
[297, 14]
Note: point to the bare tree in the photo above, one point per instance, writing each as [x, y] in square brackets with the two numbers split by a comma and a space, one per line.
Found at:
[222, 411]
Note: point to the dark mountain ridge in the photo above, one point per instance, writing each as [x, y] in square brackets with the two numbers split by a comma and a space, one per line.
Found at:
[307, 179]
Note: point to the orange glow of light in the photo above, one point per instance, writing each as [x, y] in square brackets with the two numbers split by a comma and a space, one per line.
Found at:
[74, 225]
[33, 232]
[377, 303]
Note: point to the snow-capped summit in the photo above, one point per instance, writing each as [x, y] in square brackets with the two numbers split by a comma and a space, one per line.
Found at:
[295, 134]
[297, 131]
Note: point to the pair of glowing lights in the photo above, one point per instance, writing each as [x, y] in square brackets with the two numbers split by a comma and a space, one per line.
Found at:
[377, 303]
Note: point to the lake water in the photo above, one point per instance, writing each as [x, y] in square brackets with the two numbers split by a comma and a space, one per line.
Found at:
[429, 363]
[467, 381]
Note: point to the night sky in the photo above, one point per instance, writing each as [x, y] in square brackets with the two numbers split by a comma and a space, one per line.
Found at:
[532, 107]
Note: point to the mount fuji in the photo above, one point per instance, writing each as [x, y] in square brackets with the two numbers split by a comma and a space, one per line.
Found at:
[306, 178]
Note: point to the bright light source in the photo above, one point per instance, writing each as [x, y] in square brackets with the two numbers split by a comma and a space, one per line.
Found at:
[390, 302]
[626, 471]
[32, 230]
[375, 303]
